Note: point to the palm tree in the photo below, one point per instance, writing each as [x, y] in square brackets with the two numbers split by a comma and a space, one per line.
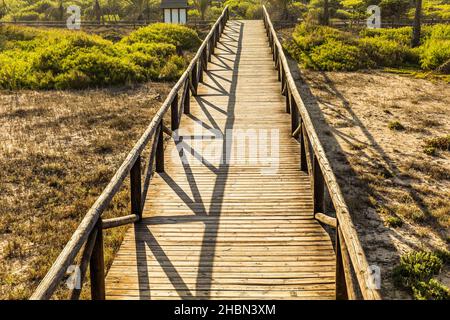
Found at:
[326, 13]
[417, 24]
[61, 11]
[202, 6]
[284, 8]
[97, 11]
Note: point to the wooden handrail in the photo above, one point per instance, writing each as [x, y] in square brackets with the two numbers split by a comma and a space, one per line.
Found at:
[92, 219]
[320, 162]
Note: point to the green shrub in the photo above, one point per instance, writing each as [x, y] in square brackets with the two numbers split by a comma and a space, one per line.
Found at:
[307, 37]
[96, 68]
[394, 222]
[434, 53]
[337, 56]
[65, 59]
[442, 143]
[416, 266]
[13, 72]
[431, 290]
[399, 35]
[396, 125]
[388, 53]
[180, 36]
[173, 69]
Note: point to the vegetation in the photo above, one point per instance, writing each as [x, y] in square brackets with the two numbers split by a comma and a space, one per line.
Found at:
[61, 149]
[439, 143]
[47, 59]
[415, 272]
[325, 48]
[396, 125]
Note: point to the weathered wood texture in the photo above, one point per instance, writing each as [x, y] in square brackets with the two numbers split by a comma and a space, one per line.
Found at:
[235, 229]
[321, 172]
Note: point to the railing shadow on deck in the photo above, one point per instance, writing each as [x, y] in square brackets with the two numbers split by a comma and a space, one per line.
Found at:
[354, 276]
[204, 273]
[87, 240]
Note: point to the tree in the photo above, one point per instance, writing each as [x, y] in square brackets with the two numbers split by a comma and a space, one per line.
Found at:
[394, 8]
[202, 6]
[97, 11]
[326, 13]
[417, 24]
[284, 8]
[61, 11]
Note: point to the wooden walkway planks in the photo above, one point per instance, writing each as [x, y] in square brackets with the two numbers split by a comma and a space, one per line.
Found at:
[237, 230]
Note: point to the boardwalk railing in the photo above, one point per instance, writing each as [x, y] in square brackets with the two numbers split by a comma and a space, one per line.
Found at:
[87, 239]
[350, 257]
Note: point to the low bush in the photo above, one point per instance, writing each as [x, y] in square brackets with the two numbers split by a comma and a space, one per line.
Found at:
[434, 53]
[396, 125]
[373, 48]
[439, 143]
[415, 272]
[248, 9]
[47, 59]
[180, 36]
[337, 56]
[399, 35]
[388, 53]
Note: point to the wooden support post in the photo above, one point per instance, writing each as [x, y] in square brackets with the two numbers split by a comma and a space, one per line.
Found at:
[341, 286]
[209, 49]
[187, 99]
[97, 266]
[279, 69]
[295, 120]
[283, 82]
[213, 43]
[200, 71]
[205, 59]
[160, 149]
[136, 188]
[318, 190]
[303, 163]
[174, 121]
[288, 101]
[194, 79]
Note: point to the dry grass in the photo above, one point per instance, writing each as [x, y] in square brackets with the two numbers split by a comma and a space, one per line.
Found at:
[398, 195]
[58, 151]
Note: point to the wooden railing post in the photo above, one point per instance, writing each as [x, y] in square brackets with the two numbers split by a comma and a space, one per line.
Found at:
[174, 121]
[159, 163]
[341, 287]
[318, 190]
[136, 188]
[97, 266]
[288, 100]
[210, 50]
[303, 161]
[294, 113]
[204, 58]
[187, 98]
[194, 79]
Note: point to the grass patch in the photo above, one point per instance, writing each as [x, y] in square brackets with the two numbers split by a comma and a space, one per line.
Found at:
[50, 181]
[394, 222]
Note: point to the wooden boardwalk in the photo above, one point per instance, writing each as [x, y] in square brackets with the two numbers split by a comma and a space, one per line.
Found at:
[236, 229]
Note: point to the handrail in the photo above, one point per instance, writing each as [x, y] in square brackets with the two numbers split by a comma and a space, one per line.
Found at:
[92, 221]
[313, 154]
